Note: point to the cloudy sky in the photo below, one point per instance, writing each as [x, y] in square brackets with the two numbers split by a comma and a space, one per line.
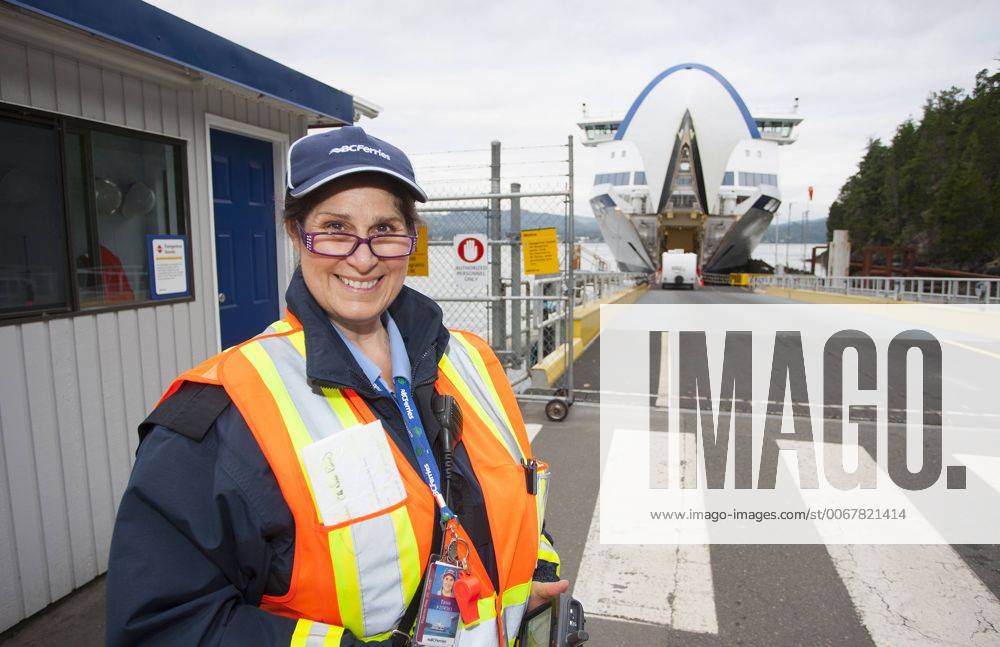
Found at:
[455, 75]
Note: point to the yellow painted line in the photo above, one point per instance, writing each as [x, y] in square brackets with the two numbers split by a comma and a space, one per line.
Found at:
[981, 351]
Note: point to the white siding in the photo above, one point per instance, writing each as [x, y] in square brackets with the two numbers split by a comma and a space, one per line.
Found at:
[72, 390]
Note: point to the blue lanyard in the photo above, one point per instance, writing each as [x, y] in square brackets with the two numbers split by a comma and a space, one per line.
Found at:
[429, 470]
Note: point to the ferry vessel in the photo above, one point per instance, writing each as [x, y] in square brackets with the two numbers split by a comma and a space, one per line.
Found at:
[688, 167]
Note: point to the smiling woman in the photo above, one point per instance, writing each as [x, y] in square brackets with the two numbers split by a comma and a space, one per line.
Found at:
[314, 454]
[354, 236]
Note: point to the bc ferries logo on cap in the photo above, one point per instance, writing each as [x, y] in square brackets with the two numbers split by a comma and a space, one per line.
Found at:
[356, 148]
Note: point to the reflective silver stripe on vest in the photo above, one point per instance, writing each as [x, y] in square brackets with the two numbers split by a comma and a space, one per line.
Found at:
[474, 381]
[512, 616]
[375, 550]
[482, 635]
[381, 579]
[317, 416]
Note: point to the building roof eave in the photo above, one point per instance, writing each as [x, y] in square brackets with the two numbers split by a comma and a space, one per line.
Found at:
[155, 32]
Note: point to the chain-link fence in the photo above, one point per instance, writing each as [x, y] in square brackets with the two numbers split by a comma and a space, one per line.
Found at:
[498, 193]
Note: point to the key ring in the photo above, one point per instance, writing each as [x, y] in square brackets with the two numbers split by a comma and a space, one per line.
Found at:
[454, 555]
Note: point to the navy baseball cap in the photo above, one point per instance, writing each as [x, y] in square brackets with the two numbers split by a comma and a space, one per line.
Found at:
[317, 159]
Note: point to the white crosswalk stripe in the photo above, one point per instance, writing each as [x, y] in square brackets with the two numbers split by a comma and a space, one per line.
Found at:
[657, 584]
[664, 584]
[903, 594]
[917, 595]
[663, 383]
[913, 594]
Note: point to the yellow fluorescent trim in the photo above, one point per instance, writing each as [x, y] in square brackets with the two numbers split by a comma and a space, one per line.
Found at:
[333, 636]
[480, 365]
[452, 374]
[333, 396]
[260, 360]
[548, 554]
[345, 573]
[409, 554]
[487, 612]
[301, 633]
[281, 326]
[516, 595]
[377, 638]
[341, 408]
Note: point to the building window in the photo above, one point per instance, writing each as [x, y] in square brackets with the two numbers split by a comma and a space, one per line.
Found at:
[618, 179]
[757, 179]
[727, 178]
[32, 238]
[640, 177]
[682, 200]
[77, 203]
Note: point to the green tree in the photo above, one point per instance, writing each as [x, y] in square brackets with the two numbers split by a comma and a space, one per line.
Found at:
[936, 185]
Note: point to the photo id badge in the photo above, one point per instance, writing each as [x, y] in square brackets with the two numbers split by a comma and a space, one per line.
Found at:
[438, 613]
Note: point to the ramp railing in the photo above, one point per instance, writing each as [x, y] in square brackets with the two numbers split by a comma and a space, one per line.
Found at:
[898, 288]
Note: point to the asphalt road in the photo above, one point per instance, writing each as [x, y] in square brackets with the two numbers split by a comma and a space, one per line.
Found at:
[750, 594]
[716, 595]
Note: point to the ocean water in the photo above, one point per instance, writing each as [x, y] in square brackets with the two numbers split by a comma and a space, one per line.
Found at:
[794, 255]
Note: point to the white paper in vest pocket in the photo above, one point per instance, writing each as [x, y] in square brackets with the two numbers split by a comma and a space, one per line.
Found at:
[353, 474]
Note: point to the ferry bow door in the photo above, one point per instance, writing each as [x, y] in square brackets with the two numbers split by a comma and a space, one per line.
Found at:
[245, 250]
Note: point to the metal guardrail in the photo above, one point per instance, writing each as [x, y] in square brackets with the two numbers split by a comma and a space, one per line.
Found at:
[898, 288]
[549, 323]
[593, 286]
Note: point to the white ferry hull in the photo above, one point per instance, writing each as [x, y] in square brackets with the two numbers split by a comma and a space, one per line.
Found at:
[621, 236]
[737, 245]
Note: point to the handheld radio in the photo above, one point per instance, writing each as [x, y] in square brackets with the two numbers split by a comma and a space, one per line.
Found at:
[559, 623]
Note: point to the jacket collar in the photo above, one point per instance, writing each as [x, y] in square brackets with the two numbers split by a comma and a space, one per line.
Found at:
[328, 360]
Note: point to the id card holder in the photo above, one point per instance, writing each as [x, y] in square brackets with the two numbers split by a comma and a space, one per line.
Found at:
[438, 612]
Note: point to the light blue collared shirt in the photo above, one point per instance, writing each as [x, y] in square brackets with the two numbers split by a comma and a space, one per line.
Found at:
[397, 352]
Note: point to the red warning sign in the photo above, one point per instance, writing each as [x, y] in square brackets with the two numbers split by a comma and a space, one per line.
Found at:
[470, 249]
[470, 262]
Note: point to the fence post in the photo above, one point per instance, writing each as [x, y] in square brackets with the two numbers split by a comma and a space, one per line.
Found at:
[499, 341]
[515, 272]
[570, 278]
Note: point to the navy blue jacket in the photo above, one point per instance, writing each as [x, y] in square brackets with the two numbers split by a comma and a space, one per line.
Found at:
[203, 531]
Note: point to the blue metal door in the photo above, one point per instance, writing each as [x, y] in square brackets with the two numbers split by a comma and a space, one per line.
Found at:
[245, 252]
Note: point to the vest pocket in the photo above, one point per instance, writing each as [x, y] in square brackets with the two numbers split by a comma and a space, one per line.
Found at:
[355, 520]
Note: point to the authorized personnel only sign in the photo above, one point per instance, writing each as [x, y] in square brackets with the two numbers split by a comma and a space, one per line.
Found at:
[541, 251]
[470, 262]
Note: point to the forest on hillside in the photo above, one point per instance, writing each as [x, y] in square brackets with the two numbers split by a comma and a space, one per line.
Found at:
[935, 186]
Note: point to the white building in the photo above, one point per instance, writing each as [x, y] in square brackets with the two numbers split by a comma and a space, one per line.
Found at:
[141, 174]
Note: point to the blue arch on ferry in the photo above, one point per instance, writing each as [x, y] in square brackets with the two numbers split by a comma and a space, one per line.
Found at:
[751, 124]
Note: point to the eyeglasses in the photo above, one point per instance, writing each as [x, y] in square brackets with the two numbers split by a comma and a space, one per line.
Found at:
[341, 245]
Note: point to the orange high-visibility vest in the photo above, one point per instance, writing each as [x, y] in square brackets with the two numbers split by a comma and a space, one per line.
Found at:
[361, 574]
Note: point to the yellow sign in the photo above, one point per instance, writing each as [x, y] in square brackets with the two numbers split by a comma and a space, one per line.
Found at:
[419, 264]
[540, 251]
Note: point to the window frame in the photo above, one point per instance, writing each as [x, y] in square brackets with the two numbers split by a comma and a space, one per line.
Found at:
[65, 125]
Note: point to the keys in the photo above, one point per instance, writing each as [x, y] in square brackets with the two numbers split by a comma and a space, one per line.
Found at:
[451, 553]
